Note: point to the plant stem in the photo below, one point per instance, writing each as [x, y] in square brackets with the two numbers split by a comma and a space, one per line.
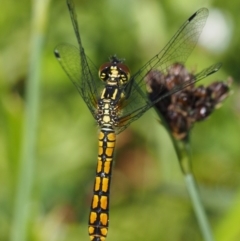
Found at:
[184, 156]
[25, 179]
[198, 207]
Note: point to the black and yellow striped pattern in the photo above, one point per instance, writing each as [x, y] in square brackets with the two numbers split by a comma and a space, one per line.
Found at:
[107, 118]
[99, 213]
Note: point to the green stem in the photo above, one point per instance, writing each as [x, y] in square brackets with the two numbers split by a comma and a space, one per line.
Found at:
[198, 207]
[26, 172]
[182, 149]
[184, 156]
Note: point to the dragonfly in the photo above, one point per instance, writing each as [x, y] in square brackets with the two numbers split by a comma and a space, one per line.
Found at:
[116, 99]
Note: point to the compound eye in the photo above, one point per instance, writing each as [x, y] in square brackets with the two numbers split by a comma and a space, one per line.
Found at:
[103, 71]
[125, 72]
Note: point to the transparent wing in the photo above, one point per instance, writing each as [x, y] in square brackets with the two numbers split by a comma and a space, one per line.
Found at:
[78, 71]
[208, 71]
[82, 72]
[176, 51]
[73, 16]
[178, 48]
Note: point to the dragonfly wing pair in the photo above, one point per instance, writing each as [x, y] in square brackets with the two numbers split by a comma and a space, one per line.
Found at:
[84, 73]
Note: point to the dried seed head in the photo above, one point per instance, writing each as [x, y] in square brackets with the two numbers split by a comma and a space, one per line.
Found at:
[183, 108]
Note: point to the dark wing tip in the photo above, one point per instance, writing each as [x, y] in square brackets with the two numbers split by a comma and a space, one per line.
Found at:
[192, 17]
[57, 54]
[196, 13]
[215, 68]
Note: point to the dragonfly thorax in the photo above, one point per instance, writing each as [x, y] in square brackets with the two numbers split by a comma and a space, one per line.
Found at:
[115, 75]
[107, 113]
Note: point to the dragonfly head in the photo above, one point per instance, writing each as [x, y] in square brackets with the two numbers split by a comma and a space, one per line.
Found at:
[114, 72]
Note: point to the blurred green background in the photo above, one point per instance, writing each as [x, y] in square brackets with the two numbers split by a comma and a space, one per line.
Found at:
[149, 200]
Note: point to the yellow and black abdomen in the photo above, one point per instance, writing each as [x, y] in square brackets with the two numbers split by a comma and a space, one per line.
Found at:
[99, 213]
